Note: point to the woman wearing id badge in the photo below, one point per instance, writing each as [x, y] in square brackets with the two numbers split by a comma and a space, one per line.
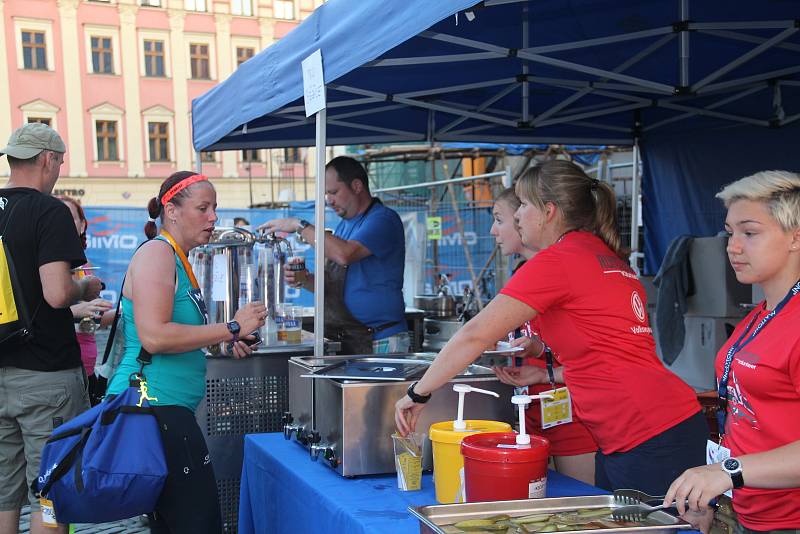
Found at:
[571, 445]
[758, 369]
[591, 310]
[163, 312]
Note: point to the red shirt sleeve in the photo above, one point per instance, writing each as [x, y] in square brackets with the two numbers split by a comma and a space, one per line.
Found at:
[541, 283]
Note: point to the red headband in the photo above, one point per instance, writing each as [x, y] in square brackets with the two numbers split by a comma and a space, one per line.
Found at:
[180, 186]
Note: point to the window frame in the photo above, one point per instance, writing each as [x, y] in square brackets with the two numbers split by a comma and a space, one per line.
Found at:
[97, 31]
[206, 39]
[240, 41]
[110, 113]
[275, 4]
[106, 138]
[239, 5]
[245, 161]
[159, 113]
[151, 54]
[36, 25]
[191, 5]
[150, 140]
[154, 35]
[40, 108]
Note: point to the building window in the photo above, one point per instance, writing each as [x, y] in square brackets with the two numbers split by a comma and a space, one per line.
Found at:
[158, 137]
[34, 50]
[292, 155]
[106, 133]
[284, 9]
[151, 3]
[43, 120]
[195, 5]
[251, 156]
[243, 53]
[198, 55]
[102, 62]
[154, 58]
[208, 157]
[242, 7]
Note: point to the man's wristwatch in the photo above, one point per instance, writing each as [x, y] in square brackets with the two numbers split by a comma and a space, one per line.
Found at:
[234, 328]
[416, 397]
[302, 225]
[733, 467]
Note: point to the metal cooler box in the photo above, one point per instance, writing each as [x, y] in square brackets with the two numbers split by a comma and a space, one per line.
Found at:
[344, 415]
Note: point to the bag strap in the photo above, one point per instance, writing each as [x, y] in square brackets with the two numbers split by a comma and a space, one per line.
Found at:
[63, 466]
[23, 310]
[8, 219]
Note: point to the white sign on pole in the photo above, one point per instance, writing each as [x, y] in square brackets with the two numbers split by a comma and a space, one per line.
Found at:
[313, 83]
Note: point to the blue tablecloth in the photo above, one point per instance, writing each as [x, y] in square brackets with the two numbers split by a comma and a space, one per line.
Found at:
[283, 491]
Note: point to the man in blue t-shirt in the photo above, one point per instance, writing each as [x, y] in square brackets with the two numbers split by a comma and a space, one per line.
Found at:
[365, 256]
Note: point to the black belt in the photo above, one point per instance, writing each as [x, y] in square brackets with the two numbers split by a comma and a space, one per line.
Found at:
[381, 328]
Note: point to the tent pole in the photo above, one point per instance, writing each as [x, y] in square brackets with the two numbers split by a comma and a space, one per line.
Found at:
[635, 192]
[319, 240]
[198, 162]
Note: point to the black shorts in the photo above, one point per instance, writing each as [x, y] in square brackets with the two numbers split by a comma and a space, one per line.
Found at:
[189, 502]
[653, 465]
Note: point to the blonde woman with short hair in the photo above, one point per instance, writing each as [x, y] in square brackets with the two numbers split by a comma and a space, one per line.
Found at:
[759, 367]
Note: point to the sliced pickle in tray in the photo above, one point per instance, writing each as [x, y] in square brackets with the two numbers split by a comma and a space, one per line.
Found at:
[544, 523]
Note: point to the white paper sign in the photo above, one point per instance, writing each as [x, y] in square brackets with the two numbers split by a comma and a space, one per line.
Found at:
[313, 83]
[219, 278]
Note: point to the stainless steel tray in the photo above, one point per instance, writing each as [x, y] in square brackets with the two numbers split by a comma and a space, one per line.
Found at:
[439, 518]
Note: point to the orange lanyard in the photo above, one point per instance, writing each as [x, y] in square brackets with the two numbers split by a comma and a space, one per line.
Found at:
[181, 256]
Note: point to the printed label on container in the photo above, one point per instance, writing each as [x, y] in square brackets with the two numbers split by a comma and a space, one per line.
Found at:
[537, 488]
[291, 323]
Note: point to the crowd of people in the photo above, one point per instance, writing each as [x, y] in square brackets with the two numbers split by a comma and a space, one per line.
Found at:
[574, 305]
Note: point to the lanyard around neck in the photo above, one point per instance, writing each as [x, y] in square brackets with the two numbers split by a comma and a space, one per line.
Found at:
[181, 256]
[738, 345]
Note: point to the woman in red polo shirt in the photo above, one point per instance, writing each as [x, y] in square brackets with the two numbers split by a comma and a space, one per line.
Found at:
[591, 308]
[571, 445]
[759, 367]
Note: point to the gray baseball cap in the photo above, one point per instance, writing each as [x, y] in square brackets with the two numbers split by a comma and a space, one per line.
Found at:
[27, 141]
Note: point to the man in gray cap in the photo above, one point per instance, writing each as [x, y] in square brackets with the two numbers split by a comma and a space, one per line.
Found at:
[42, 382]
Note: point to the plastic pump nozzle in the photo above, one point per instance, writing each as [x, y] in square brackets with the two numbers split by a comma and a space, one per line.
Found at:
[462, 390]
[522, 401]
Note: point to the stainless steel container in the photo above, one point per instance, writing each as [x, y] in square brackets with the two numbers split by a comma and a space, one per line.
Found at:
[347, 422]
[438, 331]
[237, 267]
[438, 519]
[439, 305]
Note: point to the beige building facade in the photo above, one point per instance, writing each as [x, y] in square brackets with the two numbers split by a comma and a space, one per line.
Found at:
[116, 79]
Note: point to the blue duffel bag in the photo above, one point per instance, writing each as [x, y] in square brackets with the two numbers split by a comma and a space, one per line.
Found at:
[107, 463]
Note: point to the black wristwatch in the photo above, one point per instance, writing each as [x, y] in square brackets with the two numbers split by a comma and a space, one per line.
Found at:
[234, 328]
[733, 467]
[416, 397]
[302, 226]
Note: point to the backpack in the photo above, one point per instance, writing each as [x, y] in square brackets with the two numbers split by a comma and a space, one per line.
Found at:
[15, 321]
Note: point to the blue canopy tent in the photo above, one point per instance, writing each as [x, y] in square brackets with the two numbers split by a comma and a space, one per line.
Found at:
[671, 74]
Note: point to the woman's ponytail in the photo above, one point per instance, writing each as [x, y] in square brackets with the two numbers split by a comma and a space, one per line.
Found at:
[153, 211]
[605, 218]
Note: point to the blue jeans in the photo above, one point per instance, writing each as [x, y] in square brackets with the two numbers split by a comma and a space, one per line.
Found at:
[396, 343]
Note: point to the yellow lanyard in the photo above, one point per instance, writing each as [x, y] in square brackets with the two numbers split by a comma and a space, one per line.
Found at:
[181, 256]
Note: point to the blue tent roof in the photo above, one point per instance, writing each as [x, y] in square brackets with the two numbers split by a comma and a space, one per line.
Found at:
[515, 71]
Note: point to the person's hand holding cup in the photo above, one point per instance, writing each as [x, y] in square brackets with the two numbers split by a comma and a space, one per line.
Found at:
[295, 271]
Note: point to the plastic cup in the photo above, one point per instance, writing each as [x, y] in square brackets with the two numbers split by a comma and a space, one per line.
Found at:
[292, 317]
[280, 311]
[408, 460]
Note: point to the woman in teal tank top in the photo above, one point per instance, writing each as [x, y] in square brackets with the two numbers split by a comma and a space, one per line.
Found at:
[164, 314]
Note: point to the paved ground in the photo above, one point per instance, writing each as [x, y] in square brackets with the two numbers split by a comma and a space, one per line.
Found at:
[128, 526]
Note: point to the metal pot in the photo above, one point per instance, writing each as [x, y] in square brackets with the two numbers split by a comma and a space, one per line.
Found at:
[440, 305]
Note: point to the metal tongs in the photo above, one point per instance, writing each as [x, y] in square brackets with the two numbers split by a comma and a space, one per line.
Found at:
[634, 505]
